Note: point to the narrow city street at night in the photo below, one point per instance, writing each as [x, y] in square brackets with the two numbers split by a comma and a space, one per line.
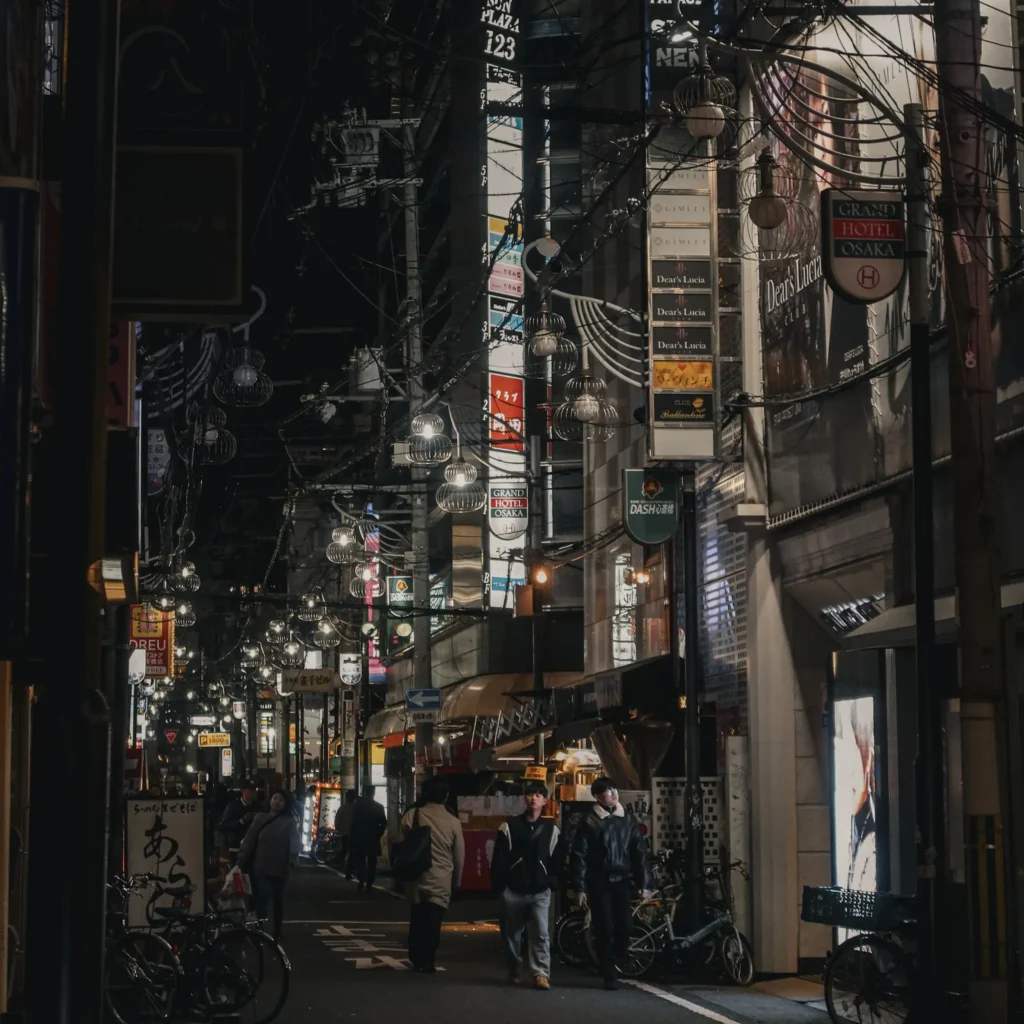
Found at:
[349, 963]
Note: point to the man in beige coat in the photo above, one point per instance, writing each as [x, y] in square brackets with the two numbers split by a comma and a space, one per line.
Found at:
[430, 894]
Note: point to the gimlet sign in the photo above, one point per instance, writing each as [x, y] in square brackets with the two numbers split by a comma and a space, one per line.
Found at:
[862, 242]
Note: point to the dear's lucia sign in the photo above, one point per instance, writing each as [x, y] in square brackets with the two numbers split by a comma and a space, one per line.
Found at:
[650, 504]
[863, 243]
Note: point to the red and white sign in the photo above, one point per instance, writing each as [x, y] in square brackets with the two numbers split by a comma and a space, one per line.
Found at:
[507, 407]
[153, 631]
[170, 735]
[863, 243]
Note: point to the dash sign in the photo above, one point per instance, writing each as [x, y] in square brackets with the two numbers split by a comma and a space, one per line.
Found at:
[863, 243]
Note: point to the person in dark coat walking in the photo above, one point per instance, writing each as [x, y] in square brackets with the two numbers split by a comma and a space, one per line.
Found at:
[369, 823]
[609, 867]
[238, 816]
[269, 851]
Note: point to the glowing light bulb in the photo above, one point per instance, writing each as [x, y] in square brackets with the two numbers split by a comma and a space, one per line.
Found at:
[587, 408]
[245, 375]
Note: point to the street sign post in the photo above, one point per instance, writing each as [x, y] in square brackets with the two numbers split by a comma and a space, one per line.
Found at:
[423, 706]
[862, 242]
[215, 739]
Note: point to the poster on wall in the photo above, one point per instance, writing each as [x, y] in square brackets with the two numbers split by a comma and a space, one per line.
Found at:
[855, 838]
[164, 837]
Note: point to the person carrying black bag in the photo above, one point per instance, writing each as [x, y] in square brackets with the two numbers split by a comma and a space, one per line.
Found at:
[430, 892]
[609, 867]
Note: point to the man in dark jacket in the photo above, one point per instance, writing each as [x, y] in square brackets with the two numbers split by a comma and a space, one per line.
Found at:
[237, 817]
[609, 866]
[522, 873]
[369, 823]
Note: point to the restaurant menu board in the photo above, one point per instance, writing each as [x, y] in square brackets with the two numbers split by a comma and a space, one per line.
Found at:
[682, 312]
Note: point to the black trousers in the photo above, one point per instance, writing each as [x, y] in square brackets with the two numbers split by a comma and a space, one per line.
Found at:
[268, 894]
[363, 863]
[612, 910]
[424, 934]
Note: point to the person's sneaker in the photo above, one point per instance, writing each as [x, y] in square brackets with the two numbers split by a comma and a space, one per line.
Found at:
[611, 984]
[541, 983]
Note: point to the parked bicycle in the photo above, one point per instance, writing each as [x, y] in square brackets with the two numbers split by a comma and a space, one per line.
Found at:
[654, 934]
[869, 977]
[208, 965]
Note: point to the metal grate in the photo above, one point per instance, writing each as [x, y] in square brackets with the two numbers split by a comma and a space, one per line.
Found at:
[668, 819]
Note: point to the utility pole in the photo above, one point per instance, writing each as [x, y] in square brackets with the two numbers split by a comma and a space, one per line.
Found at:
[693, 674]
[928, 781]
[420, 567]
[975, 499]
[67, 897]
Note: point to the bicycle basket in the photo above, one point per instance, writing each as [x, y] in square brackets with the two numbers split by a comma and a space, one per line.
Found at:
[855, 908]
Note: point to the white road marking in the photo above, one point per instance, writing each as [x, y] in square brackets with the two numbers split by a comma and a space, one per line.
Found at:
[671, 997]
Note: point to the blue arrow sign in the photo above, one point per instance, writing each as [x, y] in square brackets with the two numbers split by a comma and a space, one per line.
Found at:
[423, 700]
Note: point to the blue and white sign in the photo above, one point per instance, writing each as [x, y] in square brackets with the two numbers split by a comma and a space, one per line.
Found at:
[422, 700]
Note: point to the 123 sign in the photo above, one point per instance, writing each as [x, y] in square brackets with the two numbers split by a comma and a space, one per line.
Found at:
[862, 242]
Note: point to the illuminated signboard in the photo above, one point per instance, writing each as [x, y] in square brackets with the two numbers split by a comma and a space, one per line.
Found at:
[504, 410]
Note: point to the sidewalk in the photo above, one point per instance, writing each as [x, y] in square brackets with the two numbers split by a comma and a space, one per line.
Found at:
[780, 1001]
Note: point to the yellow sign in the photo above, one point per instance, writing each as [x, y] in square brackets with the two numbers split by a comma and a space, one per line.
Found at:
[215, 739]
[677, 376]
[536, 773]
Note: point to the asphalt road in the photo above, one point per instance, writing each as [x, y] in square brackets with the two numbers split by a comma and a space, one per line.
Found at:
[349, 963]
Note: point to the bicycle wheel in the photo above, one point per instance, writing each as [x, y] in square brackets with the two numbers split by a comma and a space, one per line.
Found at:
[643, 951]
[570, 938]
[248, 973]
[737, 957]
[868, 980]
[140, 979]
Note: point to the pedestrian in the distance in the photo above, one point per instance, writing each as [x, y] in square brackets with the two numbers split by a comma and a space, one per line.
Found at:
[269, 851]
[523, 874]
[369, 823]
[431, 893]
[343, 828]
[609, 868]
[237, 818]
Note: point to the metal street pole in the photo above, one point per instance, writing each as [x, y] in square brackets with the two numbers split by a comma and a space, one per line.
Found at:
[420, 567]
[693, 675]
[972, 405]
[536, 620]
[929, 789]
[71, 728]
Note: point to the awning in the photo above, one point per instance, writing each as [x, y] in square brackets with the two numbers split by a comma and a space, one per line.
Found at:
[897, 627]
[482, 697]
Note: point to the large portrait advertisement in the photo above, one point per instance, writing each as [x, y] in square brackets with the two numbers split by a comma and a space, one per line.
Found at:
[813, 339]
[850, 438]
[855, 825]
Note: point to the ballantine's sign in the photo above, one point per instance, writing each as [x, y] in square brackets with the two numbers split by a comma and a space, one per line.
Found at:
[862, 240]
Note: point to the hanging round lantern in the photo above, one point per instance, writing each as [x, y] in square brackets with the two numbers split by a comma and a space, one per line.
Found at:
[366, 588]
[427, 425]
[311, 607]
[429, 450]
[461, 492]
[569, 427]
[585, 393]
[326, 634]
[345, 536]
[293, 654]
[543, 330]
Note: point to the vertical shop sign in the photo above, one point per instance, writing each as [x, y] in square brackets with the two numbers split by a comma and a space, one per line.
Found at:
[503, 326]
[152, 630]
[348, 724]
[682, 311]
[164, 837]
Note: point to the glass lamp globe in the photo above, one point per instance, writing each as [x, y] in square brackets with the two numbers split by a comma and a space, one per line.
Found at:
[366, 571]
[587, 408]
[266, 671]
[276, 629]
[459, 472]
[187, 569]
[705, 121]
[245, 376]
[344, 535]
[427, 425]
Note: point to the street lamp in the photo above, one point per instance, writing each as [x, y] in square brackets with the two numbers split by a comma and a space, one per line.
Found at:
[704, 100]
[767, 209]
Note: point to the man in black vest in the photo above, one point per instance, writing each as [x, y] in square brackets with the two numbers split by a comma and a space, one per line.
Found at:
[522, 875]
